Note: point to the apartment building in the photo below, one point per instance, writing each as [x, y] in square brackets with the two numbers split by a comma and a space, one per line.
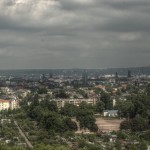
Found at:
[61, 102]
[8, 104]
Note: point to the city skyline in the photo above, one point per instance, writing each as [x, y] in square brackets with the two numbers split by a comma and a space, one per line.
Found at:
[74, 34]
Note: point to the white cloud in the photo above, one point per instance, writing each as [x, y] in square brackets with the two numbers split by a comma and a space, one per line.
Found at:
[84, 1]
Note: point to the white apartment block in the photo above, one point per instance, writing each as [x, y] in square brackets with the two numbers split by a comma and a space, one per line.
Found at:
[8, 104]
[61, 102]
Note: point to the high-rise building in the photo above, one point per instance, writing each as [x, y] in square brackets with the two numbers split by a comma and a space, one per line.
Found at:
[116, 75]
[43, 78]
[129, 74]
[84, 78]
[50, 75]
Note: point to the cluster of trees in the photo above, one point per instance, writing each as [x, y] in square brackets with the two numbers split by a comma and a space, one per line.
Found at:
[105, 102]
[42, 91]
[60, 94]
[39, 90]
[82, 92]
[47, 115]
[82, 145]
[138, 104]
[145, 135]
[136, 124]
[137, 111]
[8, 130]
[38, 147]
[69, 110]
[84, 114]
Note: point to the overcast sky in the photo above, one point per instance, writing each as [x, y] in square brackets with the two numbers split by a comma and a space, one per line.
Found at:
[51, 34]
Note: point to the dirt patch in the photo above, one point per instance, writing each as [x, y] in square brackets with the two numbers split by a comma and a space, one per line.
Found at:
[108, 124]
[105, 125]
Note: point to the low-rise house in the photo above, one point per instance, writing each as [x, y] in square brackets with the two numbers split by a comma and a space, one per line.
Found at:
[7, 90]
[42, 97]
[5, 121]
[7, 141]
[23, 92]
[113, 138]
[110, 113]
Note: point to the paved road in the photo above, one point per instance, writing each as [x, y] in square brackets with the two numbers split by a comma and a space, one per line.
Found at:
[23, 135]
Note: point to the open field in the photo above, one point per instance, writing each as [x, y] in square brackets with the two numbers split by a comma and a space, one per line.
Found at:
[105, 125]
[108, 124]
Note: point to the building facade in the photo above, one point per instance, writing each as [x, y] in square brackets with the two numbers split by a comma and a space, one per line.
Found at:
[8, 104]
[61, 102]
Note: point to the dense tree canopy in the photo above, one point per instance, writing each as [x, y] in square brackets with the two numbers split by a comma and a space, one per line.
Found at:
[86, 117]
[69, 110]
[100, 106]
[105, 98]
[137, 109]
[46, 114]
[138, 104]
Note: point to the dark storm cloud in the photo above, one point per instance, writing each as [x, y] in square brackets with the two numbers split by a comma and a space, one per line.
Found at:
[74, 33]
[127, 4]
[76, 5]
[7, 23]
[127, 24]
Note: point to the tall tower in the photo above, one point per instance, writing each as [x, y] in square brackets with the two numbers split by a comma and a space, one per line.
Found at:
[84, 78]
[43, 78]
[116, 75]
[129, 74]
[50, 75]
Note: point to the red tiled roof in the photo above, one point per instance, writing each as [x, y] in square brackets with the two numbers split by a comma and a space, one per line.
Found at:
[4, 101]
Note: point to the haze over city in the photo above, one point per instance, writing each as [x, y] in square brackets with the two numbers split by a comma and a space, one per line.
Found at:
[47, 34]
[74, 75]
